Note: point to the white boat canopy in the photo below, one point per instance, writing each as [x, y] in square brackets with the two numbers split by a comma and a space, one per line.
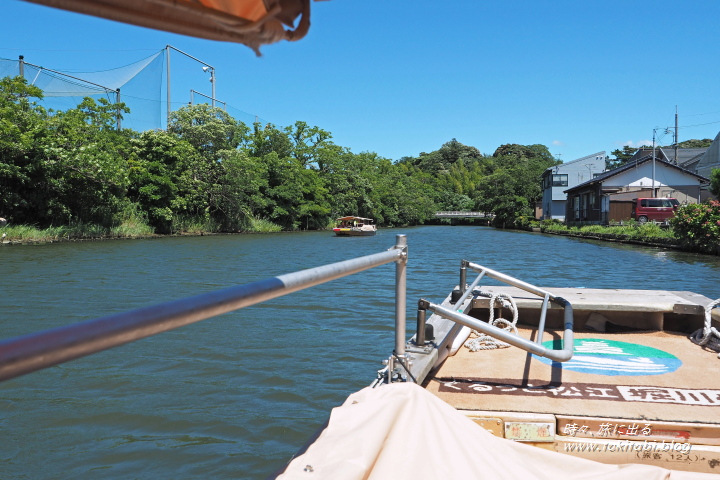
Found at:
[403, 432]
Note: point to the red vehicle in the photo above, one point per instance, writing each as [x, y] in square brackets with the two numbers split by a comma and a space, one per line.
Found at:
[654, 209]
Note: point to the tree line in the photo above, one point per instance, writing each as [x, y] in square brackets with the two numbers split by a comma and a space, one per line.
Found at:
[76, 166]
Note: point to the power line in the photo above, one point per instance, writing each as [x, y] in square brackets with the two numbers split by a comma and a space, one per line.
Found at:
[699, 114]
[700, 124]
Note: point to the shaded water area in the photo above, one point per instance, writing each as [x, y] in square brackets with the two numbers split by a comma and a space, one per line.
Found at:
[237, 395]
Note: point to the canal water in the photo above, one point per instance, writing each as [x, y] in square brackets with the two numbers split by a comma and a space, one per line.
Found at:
[237, 395]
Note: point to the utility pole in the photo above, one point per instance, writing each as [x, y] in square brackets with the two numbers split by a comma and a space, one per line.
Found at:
[169, 107]
[653, 164]
[212, 81]
[676, 135]
[207, 67]
[118, 115]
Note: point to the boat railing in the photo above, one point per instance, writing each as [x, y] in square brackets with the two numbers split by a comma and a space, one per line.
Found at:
[26, 354]
[535, 347]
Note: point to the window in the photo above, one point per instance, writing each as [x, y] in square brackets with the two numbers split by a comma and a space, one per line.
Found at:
[655, 202]
[560, 180]
[576, 204]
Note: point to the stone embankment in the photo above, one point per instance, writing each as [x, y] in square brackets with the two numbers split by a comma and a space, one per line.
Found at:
[619, 238]
[673, 243]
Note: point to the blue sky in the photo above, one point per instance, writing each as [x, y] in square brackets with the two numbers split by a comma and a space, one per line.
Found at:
[402, 77]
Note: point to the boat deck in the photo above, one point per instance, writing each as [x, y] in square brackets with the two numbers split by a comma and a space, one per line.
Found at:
[640, 366]
[511, 379]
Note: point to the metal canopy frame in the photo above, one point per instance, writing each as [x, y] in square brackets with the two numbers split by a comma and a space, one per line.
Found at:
[536, 347]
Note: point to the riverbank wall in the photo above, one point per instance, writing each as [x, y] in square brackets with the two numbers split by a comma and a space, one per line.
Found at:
[672, 243]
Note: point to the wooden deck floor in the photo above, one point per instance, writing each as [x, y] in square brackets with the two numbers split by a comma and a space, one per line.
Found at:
[652, 373]
[512, 380]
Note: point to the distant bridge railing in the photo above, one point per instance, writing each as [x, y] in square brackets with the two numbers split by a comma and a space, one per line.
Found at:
[464, 215]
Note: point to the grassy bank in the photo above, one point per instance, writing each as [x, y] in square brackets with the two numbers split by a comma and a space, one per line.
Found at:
[129, 228]
[648, 233]
[31, 234]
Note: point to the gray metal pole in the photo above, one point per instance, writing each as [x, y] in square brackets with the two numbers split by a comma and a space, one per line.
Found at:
[118, 115]
[463, 276]
[653, 165]
[29, 353]
[21, 65]
[676, 135]
[400, 296]
[167, 58]
[212, 79]
[562, 355]
[420, 327]
[106, 89]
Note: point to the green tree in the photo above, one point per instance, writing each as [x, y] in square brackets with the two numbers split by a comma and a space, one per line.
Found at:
[351, 179]
[715, 182]
[244, 189]
[208, 129]
[698, 225]
[621, 157]
[404, 199]
[307, 142]
[86, 162]
[441, 160]
[156, 167]
[22, 169]
[513, 187]
[268, 139]
[693, 143]
[284, 191]
[204, 183]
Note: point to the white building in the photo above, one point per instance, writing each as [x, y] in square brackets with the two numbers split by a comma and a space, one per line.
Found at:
[557, 179]
[609, 196]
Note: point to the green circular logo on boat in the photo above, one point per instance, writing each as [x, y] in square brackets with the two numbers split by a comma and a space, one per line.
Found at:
[610, 357]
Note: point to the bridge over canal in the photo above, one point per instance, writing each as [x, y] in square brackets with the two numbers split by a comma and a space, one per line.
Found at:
[482, 215]
[465, 217]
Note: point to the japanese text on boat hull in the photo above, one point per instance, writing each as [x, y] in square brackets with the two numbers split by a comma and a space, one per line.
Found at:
[587, 391]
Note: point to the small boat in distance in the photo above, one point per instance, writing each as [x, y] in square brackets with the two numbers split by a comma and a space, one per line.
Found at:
[355, 227]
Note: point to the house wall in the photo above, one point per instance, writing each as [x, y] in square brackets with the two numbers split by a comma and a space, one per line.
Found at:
[642, 175]
[578, 171]
[625, 186]
[585, 205]
[669, 181]
[684, 193]
[711, 159]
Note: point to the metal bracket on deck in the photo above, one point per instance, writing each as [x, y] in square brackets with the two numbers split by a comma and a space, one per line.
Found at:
[397, 370]
[536, 347]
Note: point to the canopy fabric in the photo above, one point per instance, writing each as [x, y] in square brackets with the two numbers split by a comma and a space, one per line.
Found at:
[251, 22]
[401, 431]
